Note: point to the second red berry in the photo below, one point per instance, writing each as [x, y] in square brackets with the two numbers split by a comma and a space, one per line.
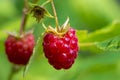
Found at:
[19, 49]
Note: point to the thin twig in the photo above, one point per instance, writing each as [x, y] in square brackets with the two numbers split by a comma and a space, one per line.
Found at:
[55, 15]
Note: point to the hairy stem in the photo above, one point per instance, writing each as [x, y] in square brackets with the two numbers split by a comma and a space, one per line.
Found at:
[55, 15]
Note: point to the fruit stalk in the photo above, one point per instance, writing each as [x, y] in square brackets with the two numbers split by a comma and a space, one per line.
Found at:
[24, 17]
[14, 70]
[55, 15]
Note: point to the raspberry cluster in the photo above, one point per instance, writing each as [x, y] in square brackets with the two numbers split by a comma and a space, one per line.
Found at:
[19, 49]
[61, 51]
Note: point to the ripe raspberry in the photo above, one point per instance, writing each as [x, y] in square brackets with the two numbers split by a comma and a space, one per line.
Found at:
[19, 49]
[61, 51]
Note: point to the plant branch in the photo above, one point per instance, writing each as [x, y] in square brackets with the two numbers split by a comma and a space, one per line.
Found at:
[55, 15]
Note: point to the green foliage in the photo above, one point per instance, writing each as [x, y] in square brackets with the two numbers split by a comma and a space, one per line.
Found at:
[112, 44]
[95, 38]
[95, 21]
[109, 31]
[37, 51]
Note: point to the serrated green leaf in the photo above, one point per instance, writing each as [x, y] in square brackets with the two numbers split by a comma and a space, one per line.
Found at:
[112, 44]
[36, 51]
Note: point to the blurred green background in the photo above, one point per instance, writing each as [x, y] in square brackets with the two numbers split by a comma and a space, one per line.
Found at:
[101, 18]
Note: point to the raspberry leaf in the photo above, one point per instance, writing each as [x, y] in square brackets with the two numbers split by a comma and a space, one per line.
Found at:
[38, 39]
[36, 52]
[112, 44]
[94, 38]
[104, 33]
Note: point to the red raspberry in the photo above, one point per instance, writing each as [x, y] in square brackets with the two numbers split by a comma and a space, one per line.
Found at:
[61, 51]
[19, 49]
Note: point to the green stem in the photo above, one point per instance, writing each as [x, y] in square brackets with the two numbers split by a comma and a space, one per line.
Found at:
[55, 15]
[87, 44]
[14, 70]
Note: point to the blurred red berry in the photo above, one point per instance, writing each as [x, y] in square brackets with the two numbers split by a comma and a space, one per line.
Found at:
[19, 49]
